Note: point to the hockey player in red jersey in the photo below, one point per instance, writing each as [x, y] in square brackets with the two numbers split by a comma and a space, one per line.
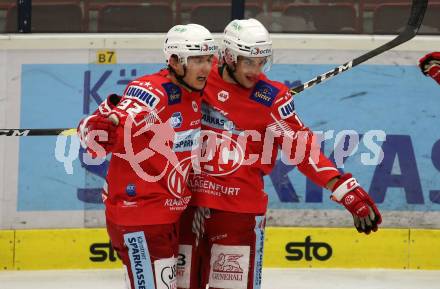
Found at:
[245, 119]
[153, 132]
[430, 65]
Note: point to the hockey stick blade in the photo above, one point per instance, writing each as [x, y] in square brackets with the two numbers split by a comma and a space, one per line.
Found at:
[418, 9]
[38, 132]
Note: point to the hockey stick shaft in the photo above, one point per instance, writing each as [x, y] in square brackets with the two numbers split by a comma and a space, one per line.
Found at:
[51, 131]
[38, 131]
[418, 9]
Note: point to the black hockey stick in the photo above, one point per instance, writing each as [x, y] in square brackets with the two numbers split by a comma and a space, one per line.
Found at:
[37, 131]
[418, 9]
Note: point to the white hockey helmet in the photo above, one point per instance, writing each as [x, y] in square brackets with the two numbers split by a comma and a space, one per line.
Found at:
[188, 40]
[248, 38]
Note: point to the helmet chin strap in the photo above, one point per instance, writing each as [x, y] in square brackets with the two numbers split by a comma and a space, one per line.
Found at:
[180, 80]
[231, 72]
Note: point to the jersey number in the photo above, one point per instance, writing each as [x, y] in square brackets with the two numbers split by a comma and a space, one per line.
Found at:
[130, 106]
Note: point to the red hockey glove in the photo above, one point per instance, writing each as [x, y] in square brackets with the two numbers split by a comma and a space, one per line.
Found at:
[430, 65]
[99, 135]
[356, 200]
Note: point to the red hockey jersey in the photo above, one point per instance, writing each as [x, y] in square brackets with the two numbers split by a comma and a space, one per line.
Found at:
[242, 130]
[158, 130]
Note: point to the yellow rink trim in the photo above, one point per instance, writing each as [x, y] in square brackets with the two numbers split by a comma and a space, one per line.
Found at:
[6, 249]
[64, 249]
[425, 249]
[284, 247]
[335, 248]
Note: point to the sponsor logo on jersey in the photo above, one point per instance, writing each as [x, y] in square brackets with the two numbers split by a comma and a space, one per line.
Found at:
[177, 204]
[131, 190]
[215, 119]
[178, 177]
[176, 119]
[174, 93]
[198, 184]
[229, 266]
[195, 123]
[195, 106]
[223, 96]
[264, 93]
[186, 140]
[129, 204]
[144, 95]
[287, 110]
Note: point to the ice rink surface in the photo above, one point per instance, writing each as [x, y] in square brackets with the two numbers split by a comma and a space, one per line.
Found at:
[272, 279]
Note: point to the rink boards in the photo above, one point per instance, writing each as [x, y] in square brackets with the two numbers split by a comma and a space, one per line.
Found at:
[53, 81]
[284, 247]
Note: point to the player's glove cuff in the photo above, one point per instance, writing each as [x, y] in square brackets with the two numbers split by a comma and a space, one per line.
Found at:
[344, 185]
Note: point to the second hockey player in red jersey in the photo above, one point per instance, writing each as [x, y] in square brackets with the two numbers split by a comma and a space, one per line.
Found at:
[158, 124]
[245, 119]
